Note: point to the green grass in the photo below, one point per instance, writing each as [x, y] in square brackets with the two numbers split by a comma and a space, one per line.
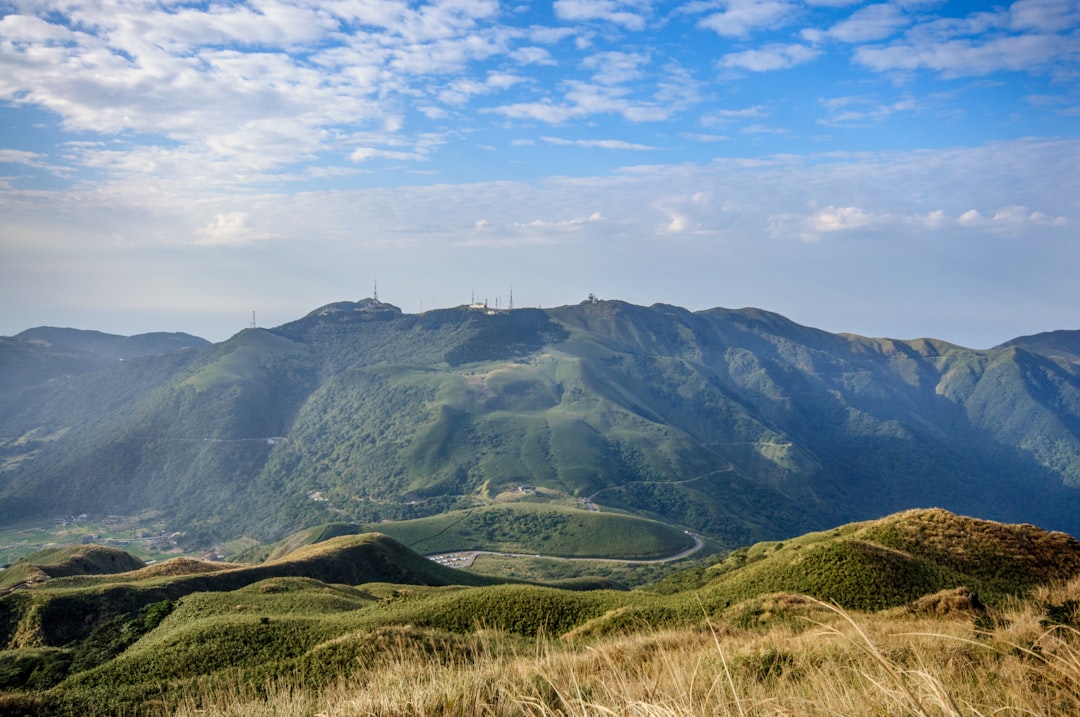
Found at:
[63, 561]
[542, 529]
[107, 643]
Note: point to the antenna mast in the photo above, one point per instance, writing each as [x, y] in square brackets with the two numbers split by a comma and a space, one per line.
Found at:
[253, 320]
[375, 297]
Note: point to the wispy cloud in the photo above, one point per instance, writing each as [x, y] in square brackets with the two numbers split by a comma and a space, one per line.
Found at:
[1030, 35]
[631, 15]
[599, 144]
[25, 158]
[770, 57]
[860, 110]
[738, 18]
[867, 24]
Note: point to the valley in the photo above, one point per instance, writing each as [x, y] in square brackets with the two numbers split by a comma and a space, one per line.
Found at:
[143, 535]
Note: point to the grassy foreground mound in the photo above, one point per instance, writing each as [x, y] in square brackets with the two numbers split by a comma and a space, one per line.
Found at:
[333, 628]
[894, 560]
[873, 565]
[831, 663]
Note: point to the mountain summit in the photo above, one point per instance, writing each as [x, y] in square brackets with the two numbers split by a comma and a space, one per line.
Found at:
[738, 424]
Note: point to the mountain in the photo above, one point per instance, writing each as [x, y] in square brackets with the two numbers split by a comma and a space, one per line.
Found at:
[738, 424]
[110, 346]
[1061, 344]
[49, 353]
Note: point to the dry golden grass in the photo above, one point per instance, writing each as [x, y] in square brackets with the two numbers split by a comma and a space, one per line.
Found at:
[835, 663]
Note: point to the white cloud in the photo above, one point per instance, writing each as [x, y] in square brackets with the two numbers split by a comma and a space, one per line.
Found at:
[769, 57]
[1008, 219]
[704, 137]
[362, 154]
[229, 229]
[29, 159]
[935, 219]
[533, 56]
[544, 111]
[246, 89]
[461, 91]
[614, 68]
[836, 219]
[873, 22]
[599, 144]
[617, 12]
[540, 223]
[582, 99]
[970, 218]
[969, 57]
[1019, 215]
[687, 214]
[534, 233]
[1029, 36]
[861, 110]
[742, 17]
[726, 117]
[1044, 15]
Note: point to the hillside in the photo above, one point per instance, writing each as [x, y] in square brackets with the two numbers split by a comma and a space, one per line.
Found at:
[339, 609]
[58, 611]
[66, 561]
[737, 424]
[1061, 344]
[110, 346]
[894, 560]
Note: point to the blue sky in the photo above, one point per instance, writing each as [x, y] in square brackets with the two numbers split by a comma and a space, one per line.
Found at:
[898, 169]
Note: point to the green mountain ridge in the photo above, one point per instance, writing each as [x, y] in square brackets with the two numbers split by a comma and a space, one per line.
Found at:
[737, 424]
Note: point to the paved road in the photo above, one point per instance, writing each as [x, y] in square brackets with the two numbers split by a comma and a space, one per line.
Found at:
[465, 558]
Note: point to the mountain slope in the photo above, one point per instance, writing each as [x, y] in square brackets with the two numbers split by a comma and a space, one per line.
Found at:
[1061, 344]
[62, 610]
[111, 346]
[897, 559]
[738, 424]
[67, 561]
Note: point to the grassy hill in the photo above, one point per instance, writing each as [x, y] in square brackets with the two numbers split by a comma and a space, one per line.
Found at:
[520, 527]
[68, 560]
[875, 565]
[160, 635]
[539, 528]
